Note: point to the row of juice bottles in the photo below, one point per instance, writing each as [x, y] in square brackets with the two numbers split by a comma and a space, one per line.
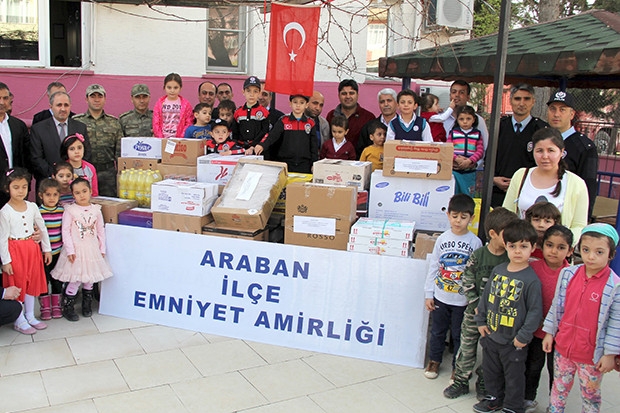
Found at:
[136, 184]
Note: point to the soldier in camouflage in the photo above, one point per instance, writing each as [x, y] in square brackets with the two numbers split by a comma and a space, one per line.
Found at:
[105, 135]
[139, 121]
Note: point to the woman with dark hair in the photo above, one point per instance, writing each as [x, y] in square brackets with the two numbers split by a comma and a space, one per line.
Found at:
[550, 181]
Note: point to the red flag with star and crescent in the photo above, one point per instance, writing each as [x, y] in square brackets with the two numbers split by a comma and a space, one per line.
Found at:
[292, 49]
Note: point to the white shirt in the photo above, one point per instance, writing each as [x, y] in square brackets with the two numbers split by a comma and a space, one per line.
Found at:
[338, 146]
[530, 194]
[15, 224]
[7, 139]
[426, 131]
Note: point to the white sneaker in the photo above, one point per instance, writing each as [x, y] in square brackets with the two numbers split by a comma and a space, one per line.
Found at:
[530, 406]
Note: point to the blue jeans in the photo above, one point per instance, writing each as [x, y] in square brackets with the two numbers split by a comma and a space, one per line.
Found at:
[445, 317]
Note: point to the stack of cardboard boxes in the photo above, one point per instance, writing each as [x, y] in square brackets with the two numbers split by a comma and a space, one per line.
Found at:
[416, 184]
[382, 237]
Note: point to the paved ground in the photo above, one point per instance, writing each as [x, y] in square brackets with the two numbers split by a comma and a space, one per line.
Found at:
[107, 364]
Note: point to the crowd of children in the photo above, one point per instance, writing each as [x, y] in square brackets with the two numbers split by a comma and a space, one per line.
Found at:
[499, 294]
[72, 241]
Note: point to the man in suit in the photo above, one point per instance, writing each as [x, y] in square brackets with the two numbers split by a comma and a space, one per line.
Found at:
[15, 139]
[47, 136]
[47, 113]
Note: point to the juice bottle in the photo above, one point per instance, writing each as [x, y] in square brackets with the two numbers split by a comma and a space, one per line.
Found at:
[131, 184]
[140, 188]
[122, 184]
[148, 181]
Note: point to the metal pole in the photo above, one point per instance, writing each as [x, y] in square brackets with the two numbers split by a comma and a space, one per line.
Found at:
[498, 88]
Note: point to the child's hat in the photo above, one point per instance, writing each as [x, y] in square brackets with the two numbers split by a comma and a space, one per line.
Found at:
[291, 97]
[251, 81]
[603, 229]
[219, 122]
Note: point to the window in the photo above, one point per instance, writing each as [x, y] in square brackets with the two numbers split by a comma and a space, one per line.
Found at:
[377, 37]
[33, 33]
[431, 14]
[226, 39]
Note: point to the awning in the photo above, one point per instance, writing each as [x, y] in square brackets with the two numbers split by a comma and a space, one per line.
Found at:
[583, 49]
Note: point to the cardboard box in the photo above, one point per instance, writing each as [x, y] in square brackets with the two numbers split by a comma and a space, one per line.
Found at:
[180, 223]
[213, 229]
[424, 244]
[379, 250]
[183, 197]
[340, 172]
[137, 163]
[141, 148]
[319, 215]
[384, 228]
[250, 195]
[280, 207]
[177, 151]
[410, 159]
[136, 217]
[381, 242]
[111, 207]
[424, 201]
[217, 169]
[178, 172]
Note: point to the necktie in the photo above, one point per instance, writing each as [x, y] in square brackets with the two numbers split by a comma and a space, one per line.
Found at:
[518, 127]
[62, 131]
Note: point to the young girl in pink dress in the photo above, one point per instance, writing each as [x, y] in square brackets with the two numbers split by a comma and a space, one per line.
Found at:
[82, 259]
[172, 113]
[22, 263]
[72, 151]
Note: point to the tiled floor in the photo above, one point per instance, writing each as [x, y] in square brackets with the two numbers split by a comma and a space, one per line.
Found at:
[106, 364]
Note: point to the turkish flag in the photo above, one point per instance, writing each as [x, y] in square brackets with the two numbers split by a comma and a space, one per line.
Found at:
[292, 49]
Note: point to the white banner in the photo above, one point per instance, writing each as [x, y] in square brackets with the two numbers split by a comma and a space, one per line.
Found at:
[337, 302]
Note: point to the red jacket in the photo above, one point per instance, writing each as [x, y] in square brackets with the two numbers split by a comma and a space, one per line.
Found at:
[186, 119]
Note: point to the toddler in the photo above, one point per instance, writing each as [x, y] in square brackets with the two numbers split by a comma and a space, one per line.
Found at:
[468, 149]
[542, 215]
[82, 259]
[430, 110]
[338, 147]
[63, 174]
[221, 142]
[201, 129]
[374, 152]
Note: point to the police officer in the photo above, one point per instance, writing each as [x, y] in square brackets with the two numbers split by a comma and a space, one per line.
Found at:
[105, 135]
[581, 156]
[139, 121]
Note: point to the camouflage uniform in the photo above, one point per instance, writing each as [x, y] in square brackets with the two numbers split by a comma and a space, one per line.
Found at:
[136, 124]
[475, 277]
[105, 135]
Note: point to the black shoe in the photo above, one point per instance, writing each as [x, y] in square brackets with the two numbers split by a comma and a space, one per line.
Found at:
[68, 310]
[488, 405]
[481, 391]
[87, 300]
[456, 389]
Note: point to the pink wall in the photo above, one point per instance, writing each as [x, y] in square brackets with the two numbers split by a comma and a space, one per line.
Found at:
[29, 86]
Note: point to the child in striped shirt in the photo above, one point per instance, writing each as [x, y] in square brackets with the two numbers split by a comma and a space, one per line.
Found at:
[51, 211]
[468, 149]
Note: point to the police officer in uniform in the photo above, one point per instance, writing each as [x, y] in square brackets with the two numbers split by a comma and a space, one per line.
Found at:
[581, 156]
[514, 147]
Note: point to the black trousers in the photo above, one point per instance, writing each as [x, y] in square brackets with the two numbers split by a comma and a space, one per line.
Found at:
[9, 311]
[504, 373]
[533, 368]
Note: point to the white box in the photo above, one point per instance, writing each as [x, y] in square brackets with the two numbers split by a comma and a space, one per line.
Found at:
[217, 169]
[424, 201]
[381, 242]
[141, 148]
[340, 172]
[384, 228]
[183, 197]
[379, 250]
